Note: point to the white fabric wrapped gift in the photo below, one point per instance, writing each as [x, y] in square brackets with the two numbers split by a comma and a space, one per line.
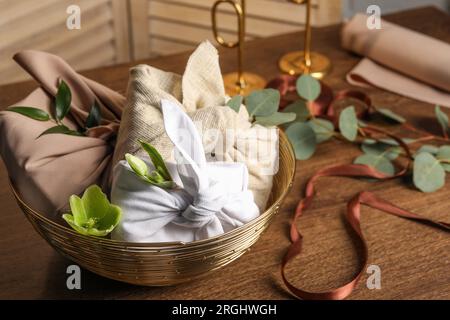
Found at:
[200, 92]
[212, 197]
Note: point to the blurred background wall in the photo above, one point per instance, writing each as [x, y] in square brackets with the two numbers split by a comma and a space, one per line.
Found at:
[115, 31]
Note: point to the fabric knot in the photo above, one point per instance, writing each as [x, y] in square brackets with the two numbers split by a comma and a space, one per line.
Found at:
[207, 203]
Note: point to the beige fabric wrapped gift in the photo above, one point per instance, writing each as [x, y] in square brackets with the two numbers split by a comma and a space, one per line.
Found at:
[227, 135]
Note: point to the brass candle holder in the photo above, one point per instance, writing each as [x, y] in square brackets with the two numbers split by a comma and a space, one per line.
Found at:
[238, 82]
[305, 61]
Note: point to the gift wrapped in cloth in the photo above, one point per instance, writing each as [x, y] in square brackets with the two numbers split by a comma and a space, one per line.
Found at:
[210, 198]
[47, 170]
[226, 135]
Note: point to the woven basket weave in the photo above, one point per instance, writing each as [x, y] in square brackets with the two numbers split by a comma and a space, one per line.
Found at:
[153, 264]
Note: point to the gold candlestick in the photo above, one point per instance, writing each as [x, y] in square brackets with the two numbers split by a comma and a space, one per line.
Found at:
[305, 61]
[239, 82]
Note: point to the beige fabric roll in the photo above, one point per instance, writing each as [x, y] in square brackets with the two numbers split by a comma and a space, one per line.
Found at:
[227, 135]
[401, 60]
[48, 170]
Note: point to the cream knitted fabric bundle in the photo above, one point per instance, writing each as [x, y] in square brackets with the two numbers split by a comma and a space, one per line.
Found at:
[227, 135]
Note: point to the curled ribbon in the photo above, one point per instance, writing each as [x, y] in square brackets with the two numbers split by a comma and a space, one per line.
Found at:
[324, 107]
[353, 217]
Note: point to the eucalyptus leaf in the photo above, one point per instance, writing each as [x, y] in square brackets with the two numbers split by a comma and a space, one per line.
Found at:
[30, 112]
[300, 109]
[94, 118]
[138, 165]
[308, 87]
[442, 118]
[391, 115]
[443, 155]
[92, 214]
[362, 124]
[428, 148]
[235, 103]
[381, 149]
[157, 160]
[63, 100]
[62, 129]
[263, 102]
[428, 174]
[275, 119]
[370, 141]
[323, 129]
[378, 162]
[348, 123]
[303, 140]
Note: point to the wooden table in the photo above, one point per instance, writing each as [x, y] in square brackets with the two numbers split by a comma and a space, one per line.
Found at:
[414, 259]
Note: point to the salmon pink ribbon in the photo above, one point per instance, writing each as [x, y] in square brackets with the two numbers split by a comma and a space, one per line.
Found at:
[325, 106]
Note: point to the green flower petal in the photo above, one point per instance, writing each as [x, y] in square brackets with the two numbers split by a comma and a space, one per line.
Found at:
[138, 165]
[111, 219]
[78, 211]
[69, 219]
[95, 203]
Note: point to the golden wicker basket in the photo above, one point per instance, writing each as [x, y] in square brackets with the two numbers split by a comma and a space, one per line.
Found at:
[160, 264]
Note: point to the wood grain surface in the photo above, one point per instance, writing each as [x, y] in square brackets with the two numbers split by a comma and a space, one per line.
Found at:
[414, 259]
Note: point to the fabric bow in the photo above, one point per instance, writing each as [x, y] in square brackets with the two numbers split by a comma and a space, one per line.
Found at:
[212, 199]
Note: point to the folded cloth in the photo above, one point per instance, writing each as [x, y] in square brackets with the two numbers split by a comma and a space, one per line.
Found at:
[212, 199]
[401, 60]
[227, 135]
[46, 171]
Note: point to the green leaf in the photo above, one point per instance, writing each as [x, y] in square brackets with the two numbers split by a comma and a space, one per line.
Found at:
[93, 214]
[308, 87]
[393, 142]
[442, 118]
[362, 124]
[275, 119]
[157, 160]
[428, 148]
[379, 162]
[63, 100]
[94, 118]
[138, 165]
[33, 113]
[391, 115]
[370, 141]
[303, 140]
[263, 102]
[62, 129]
[323, 129]
[235, 103]
[300, 109]
[428, 174]
[443, 155]
[381, 149]
[348, 123]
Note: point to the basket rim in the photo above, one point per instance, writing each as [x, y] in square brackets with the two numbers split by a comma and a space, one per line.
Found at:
[166, 245]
